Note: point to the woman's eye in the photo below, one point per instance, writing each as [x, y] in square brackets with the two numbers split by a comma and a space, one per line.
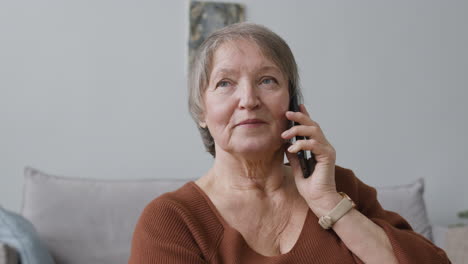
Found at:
[223, 84]
[268, 81]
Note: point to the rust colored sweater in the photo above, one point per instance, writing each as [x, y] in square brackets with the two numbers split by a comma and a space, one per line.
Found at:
[184, 226]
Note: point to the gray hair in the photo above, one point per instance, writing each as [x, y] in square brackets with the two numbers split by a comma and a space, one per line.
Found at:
[272, 46]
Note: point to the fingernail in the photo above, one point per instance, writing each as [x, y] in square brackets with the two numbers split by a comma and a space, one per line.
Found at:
[291, 148]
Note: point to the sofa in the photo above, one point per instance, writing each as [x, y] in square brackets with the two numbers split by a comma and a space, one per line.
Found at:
[82, 220]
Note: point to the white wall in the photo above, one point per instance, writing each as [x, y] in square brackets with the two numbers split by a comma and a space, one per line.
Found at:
[97, 89]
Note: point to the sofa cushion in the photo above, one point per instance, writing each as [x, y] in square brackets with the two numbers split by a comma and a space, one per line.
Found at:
[408, 201]
[18, 235]
[456, 244]
[87, 220]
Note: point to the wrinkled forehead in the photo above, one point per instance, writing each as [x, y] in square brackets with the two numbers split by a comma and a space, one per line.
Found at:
[228, 53]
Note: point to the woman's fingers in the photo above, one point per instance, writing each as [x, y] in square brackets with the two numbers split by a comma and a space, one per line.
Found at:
[304, 131]
[322, 152]
[294, 161]
[315, 142]
[300, 118]
[306, 144]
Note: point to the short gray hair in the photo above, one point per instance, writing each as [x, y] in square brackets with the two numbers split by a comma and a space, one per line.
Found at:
[272, 47]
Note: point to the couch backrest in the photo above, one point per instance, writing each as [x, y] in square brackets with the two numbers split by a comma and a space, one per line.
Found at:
[92, 221]
[87, 220]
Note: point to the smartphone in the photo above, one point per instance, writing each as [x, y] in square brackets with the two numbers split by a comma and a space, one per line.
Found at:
[307, 166]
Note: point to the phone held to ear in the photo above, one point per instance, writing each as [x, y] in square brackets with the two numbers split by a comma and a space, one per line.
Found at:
[306, 166]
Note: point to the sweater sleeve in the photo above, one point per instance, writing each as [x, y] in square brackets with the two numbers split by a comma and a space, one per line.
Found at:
[163, 236]
[409, 247]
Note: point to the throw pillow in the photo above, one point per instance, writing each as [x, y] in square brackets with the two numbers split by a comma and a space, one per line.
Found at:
[407, 200]
[17, 232]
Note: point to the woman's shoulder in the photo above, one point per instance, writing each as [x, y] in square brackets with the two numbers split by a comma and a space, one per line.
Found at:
[184, 201]
[176, 196]
[184, 206]
[176, 219]
[344, 178]
[361, 193]
[342, 171]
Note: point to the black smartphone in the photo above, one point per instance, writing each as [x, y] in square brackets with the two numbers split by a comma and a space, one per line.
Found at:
[307, 166]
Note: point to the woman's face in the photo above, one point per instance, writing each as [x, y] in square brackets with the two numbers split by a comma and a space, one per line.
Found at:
[243, 85]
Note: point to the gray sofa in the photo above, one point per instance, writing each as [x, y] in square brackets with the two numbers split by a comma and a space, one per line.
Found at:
[92, 221]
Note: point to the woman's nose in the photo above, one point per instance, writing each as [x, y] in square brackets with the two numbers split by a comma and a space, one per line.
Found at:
[249, 98]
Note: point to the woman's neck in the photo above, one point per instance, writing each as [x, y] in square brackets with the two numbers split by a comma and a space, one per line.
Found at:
[250, 176]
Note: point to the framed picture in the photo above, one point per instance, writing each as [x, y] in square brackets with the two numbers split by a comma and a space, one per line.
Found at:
[207, 17]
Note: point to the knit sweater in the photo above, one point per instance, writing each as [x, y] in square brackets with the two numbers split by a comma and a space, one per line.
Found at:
[184, 226]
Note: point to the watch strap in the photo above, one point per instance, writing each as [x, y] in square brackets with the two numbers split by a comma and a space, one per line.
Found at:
[343, 207]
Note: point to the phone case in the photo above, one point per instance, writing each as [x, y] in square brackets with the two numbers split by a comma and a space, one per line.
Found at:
[307, 166]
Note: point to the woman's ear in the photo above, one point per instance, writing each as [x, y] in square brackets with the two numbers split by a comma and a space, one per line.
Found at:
[201, 119]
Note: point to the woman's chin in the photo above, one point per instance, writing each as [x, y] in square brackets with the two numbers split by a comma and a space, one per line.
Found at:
[258, 148]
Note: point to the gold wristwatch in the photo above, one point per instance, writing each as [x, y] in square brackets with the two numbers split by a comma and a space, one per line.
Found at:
[346, 204]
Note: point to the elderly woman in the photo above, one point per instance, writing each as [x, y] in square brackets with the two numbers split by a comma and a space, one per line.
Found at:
[250, 207]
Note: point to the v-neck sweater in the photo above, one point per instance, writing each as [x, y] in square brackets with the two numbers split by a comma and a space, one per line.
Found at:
[184, 226]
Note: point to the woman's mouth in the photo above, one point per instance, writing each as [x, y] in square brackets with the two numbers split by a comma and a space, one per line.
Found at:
[251, 123]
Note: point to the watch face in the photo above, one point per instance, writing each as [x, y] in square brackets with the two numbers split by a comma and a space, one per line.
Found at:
[349, 198]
